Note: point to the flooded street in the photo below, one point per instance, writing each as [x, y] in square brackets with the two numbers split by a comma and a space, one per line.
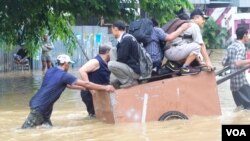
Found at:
[71, 123]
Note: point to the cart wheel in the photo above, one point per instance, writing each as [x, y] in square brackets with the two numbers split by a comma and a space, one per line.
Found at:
[172, 115]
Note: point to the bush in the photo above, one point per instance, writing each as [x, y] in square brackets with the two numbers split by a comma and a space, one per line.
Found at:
[214, 36]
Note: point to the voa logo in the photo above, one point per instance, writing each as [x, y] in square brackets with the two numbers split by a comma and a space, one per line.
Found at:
[236, 132]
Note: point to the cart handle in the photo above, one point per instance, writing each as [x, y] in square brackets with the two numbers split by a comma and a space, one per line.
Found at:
[232, 74]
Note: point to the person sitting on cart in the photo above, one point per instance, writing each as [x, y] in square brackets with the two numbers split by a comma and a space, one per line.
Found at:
[154, 47]
[126, 67]
[188, 49]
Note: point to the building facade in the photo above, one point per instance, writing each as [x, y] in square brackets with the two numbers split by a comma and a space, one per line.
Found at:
[227, 13]
[222, 3]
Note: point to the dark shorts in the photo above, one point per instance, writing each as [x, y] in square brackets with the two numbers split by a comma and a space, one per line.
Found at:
[45, 58]
[242, 97]
[34, 119]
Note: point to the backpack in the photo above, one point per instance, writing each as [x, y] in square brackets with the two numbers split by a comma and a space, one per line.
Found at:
[146, 63]
[173, 25]
[141, 29]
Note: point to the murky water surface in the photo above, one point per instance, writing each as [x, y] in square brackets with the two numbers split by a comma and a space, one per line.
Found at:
[71, 123]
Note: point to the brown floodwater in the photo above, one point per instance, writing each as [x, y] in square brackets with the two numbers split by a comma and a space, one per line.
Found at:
[71, 123]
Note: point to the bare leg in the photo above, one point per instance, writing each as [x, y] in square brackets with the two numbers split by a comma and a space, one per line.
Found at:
[191, 57]
[43, 65]
[186, 70]
[48, 64]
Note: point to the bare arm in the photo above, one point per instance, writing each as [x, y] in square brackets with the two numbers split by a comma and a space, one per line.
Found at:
[93, 86]
[47, 46]
[50, 45]
[206, 57]
[44, 48]
[90, 66]
[241, 63]
[175, 34]
[75, 87]
[240, 60]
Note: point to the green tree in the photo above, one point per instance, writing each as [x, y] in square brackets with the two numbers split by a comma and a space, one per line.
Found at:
[164, 10]
[27, 20]
[214, 36]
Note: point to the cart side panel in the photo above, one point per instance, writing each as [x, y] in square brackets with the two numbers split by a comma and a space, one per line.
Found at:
[103, 107]
[191, 95]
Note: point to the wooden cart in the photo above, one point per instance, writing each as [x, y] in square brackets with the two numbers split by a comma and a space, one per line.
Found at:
[173, 98]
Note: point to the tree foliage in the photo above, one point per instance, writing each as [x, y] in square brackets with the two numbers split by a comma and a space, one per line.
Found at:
[27, 20]
[214, 36]
[164, 10]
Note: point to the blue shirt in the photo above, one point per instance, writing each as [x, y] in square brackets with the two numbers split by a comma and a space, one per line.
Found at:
[54, 83]
[100, 76]
[153, 48]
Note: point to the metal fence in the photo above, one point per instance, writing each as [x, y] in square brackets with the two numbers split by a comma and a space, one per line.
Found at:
[6, 59]
[90, 37]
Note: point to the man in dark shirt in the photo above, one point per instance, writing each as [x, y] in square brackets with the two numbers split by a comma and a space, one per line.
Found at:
[127, 67]
[54, 83]
[96, 71]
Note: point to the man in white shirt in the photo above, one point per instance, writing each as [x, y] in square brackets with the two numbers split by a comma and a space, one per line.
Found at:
[187, 47]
